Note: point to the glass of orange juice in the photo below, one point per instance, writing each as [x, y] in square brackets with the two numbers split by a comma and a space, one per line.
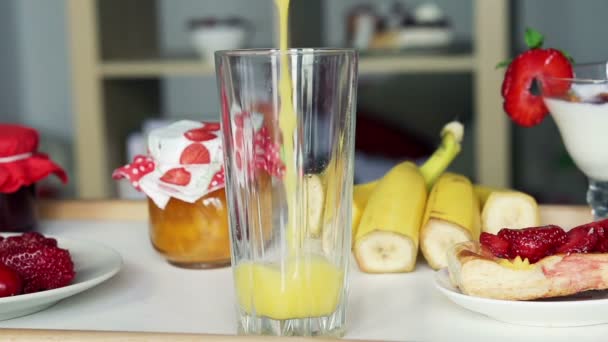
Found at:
[288, 119]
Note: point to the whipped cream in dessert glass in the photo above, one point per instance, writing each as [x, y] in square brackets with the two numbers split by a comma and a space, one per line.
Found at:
[579, 107]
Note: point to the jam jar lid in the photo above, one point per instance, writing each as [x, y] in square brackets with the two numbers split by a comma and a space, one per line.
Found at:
[20, 162]
[184, 161]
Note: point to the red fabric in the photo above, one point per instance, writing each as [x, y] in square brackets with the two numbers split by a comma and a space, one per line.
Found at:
[15, 139]
[195, 154]
[141, 166]
[19, 140]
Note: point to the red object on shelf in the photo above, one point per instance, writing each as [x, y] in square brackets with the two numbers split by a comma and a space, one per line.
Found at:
[21, 166]
[381, 139]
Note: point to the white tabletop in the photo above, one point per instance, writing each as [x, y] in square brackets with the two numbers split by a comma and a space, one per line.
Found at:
[149, 295]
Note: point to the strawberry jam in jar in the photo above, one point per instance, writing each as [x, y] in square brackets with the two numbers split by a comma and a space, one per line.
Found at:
[183, 178]
[21, 167]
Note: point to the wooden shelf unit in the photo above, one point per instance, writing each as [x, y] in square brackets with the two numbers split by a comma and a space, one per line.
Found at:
[115, 85]
[367, 65]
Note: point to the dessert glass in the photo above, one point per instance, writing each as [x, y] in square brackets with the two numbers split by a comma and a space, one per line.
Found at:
[579, 107]
[289, 200]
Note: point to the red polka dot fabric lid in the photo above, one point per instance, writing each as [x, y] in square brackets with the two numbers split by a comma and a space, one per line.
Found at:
[20, 162]
[185, 161]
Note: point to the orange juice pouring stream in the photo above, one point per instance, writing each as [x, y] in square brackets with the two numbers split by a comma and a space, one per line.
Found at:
[305, 285]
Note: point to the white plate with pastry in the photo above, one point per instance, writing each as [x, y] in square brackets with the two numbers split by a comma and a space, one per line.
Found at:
[578, 309]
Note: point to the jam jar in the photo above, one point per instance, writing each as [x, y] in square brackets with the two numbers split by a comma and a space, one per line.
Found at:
[192, 234]
[183, 179]
[21, 167]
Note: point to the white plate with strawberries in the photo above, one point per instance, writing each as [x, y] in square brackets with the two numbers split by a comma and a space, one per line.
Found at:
[91, 264]
[539, 276]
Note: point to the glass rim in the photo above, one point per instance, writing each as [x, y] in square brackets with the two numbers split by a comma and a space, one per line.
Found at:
[584, 80]
[270, 52]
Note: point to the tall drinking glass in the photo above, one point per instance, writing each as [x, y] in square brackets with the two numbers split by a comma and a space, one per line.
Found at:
[579, 106]
[288, 120]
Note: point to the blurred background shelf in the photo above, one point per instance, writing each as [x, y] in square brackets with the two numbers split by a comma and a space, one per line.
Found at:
[155, 68]
[367, 65]
[116, 86]
[416, 64]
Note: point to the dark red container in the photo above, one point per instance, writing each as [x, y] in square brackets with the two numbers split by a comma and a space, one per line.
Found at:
[21, 166]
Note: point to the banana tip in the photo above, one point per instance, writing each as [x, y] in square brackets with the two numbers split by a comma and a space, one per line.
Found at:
[455, 128]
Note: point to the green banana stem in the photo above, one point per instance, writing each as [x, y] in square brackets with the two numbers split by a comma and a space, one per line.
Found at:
[452, 135]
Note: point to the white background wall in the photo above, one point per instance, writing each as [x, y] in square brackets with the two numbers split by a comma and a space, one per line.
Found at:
[10, 80]
[34, 65]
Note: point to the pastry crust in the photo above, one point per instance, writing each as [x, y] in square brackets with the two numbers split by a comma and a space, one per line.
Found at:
[475, 271]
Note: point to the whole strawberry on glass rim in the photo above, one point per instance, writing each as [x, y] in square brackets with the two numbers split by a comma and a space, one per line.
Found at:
[537, 64]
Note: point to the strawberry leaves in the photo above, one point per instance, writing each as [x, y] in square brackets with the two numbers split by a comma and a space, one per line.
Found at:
[534, 40]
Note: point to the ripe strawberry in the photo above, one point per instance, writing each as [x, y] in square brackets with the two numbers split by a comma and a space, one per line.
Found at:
[497, 245]
[195, 154]
[582, 239]
[533, 243]
[28, 239]
[540, 65]
[600, 230]
[40, 267]
[10, 282]
[524, 108]
[178, 176]
[602, 242]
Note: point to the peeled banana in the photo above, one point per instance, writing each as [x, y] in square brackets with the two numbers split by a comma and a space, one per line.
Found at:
[509, 209]
[483, 192]
[451, 134]
[315, 199]
[361, 195]
[452, 215]
[387, 236]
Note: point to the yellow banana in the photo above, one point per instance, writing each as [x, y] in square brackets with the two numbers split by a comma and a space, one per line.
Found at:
[509, 209]
[452, 215]
[452, 134]
[361, 195]
[387, 236]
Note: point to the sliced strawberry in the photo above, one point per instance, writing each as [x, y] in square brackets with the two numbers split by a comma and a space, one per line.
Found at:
[602, 240]
[497, 245]
[195, 154]
[533, 243]
[200, 134]
[179, 176]
[601, 230]
[587, 238]
[524, 108]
